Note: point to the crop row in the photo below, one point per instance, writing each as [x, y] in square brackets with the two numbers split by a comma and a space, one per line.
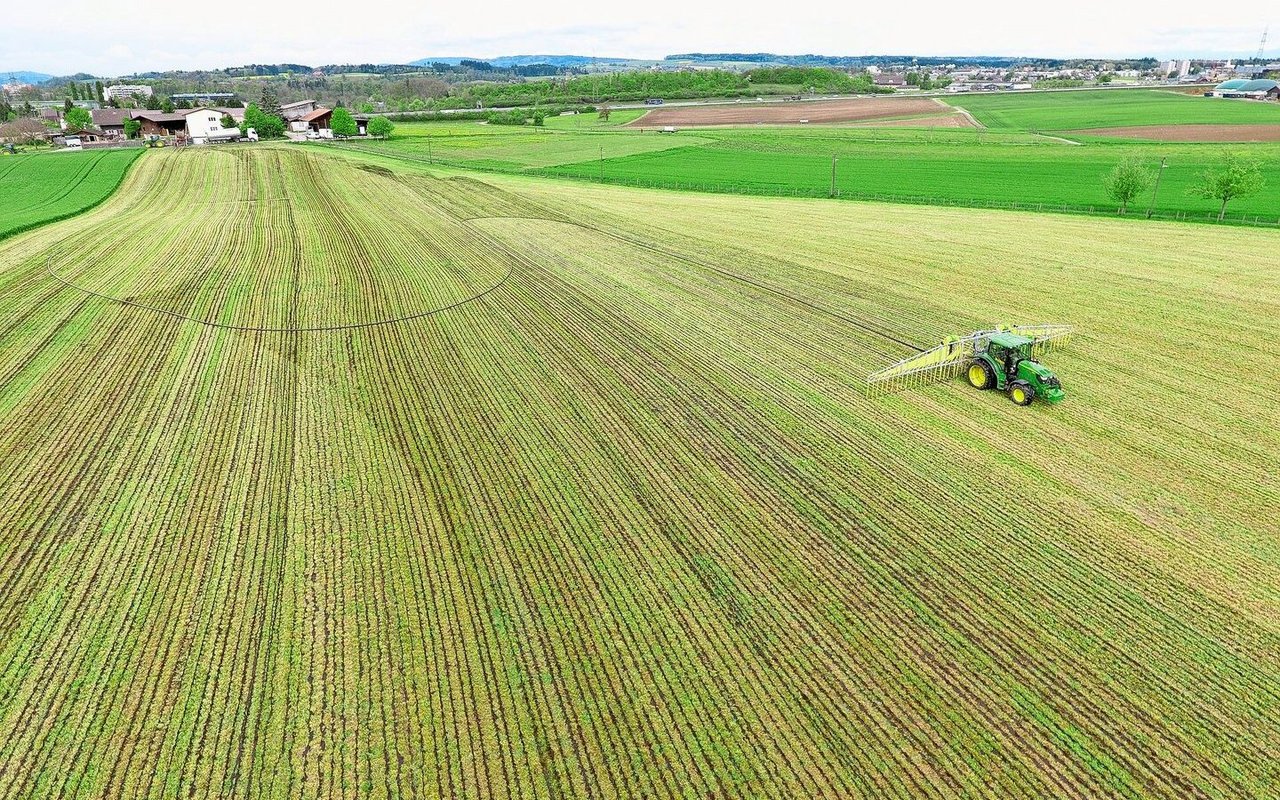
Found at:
[626, 526]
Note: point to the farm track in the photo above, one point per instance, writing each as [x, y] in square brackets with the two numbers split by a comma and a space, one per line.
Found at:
[626, 526]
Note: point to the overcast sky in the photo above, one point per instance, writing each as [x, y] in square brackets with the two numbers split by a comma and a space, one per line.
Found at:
[111, 39]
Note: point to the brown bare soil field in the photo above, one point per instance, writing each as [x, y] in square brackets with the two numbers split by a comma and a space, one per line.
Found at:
[783, 113]
[1190, 133]
[936, 121]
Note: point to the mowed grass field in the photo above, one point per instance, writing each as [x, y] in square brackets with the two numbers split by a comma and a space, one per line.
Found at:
[606, 512]
[1108, 108]
[939, 166]
[35, 189]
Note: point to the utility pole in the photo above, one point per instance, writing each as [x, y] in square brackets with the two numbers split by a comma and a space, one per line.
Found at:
[602, 163]
[430, 158]
[1156, 191]
[833, 177]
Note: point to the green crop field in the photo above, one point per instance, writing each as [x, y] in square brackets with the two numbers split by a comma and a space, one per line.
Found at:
[1108, 108]
[944, 166]
[337, 477]
[35, 189]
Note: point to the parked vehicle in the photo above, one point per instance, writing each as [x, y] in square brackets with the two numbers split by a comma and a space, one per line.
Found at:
[251, 135]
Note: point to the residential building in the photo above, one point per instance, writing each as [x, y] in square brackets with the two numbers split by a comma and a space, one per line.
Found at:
[123, 91]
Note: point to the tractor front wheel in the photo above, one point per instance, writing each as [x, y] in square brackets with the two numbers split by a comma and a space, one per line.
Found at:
[1021, 393]
[981, 376]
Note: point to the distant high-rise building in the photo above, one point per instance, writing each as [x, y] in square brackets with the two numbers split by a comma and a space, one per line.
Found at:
[124, 90]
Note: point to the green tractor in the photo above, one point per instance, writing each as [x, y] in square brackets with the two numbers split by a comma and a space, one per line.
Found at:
[1005, 363]
[1005, 358]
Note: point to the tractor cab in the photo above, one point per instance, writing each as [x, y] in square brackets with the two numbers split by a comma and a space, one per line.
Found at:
[1005, 363]
[1008, 349]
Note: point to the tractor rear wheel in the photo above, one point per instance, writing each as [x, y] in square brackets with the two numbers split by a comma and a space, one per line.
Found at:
[1021, 393]
[981, 376]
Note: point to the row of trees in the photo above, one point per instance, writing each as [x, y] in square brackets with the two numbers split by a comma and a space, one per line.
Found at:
[1235, 176]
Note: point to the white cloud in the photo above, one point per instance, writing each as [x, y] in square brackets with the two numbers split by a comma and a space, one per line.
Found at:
[86, 35]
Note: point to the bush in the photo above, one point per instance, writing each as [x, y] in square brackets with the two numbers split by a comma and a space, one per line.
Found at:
[267, 126]
[380, 127]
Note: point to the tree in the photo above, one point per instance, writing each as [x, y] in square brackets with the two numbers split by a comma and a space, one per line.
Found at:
[1126, 181]
[343, 124]
[132, 128]
[167, 106]
[604, 113]
[380, 127]
[227, 121]
[270, 104]
[98, 90]
[267, 126]
[78, 119]
[1236, 176]
[67, 105]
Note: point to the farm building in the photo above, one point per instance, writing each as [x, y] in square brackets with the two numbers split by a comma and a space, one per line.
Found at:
[298, 110]
[111, 120]
[85, 135]
[1239, 88]
[158, 123]
[315, 120]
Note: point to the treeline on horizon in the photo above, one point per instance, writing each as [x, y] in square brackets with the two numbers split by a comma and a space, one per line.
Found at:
[643, 84]
[470, 67]
[811, 59]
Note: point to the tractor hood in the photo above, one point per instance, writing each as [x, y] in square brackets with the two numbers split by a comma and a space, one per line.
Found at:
[1042, 378]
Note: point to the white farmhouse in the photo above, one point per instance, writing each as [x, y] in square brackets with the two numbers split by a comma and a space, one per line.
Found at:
[205, 125]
